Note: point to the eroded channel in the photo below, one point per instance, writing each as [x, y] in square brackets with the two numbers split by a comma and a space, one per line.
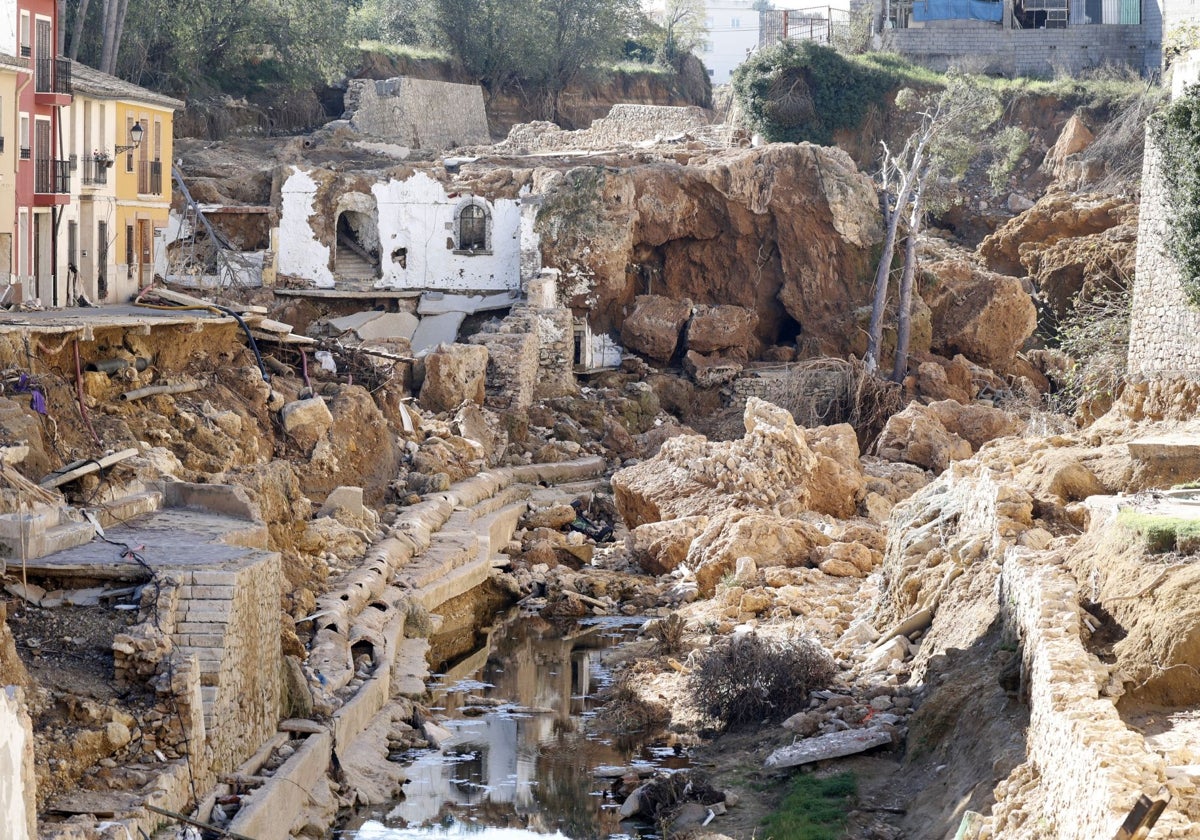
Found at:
[525, 756]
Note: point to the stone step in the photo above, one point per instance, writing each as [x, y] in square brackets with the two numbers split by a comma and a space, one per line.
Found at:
[60, 538]
[127, 507]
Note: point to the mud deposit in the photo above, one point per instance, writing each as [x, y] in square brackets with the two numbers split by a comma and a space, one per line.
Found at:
[524, 758]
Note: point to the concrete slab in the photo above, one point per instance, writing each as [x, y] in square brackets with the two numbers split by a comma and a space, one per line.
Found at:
[389, 325]
[439, 303]
[353, 322]
[833, 745]
[436, 329]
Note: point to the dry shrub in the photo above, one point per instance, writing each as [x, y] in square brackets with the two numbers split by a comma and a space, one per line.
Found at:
[668, 633]
[625, 710]
[750, 678]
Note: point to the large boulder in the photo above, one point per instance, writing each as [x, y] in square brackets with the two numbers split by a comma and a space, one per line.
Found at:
[771, 466]
[659, 547]
[838, 484]
[1073, 139]
[981, 314]
[917, 436]
[306, 421]
[768, 539]
[975, 423]
[715, 328]
[1057, 216]
[454, 374]
[790, 224]
[654, 326]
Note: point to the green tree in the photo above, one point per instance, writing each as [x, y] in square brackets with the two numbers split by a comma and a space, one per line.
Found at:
[684, 28]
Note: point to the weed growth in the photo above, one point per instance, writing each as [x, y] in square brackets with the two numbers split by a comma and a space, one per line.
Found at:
[814, 809]
[1163, 533]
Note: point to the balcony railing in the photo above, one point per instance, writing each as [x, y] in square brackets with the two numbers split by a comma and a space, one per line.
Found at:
[53, 75]
[26, 153]
[95, 171]
[150, 181]
[52, 176]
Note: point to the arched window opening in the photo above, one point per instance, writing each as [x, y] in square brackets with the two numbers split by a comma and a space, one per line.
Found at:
[473, 223]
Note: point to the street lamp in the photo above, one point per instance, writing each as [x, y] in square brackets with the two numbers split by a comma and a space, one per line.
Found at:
[135, 134]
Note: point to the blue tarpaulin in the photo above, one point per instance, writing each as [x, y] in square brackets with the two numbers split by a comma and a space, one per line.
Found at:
[957, 10]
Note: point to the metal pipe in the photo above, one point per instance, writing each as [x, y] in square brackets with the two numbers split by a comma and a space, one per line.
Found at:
[111, 366]
[152, 390]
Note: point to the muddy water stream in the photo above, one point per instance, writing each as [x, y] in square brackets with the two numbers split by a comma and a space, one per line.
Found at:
[523, 757]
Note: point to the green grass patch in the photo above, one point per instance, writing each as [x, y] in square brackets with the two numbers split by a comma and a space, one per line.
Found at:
[1162, 533]
[1187, 485]
[814, 809]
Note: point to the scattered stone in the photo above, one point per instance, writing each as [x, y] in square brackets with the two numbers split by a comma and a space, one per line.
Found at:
[833, 745]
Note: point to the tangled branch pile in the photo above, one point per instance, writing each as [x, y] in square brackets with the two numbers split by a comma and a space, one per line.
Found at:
[751, 678]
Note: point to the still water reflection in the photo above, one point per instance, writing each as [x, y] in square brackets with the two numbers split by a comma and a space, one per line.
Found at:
[525, 767]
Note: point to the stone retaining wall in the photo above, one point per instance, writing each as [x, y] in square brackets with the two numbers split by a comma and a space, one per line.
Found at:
[1164, 325]
[419, 113]
[1091, 768]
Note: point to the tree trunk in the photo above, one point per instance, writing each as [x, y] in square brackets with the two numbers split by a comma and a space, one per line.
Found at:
[110, 34]
[77, 30]
[123, 7]
[879, 304]
[904, 319]
[61, 34]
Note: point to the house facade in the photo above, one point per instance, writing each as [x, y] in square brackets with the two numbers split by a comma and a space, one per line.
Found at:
[1022, 37]
[122, 193]
[732, 33]
[40, 171]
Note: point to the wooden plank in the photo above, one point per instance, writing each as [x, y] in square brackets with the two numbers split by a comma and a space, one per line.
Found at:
[81, 468]
[1143, 816]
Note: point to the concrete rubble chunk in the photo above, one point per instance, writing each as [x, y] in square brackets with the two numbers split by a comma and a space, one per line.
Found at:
[436, 329]
[833, 745]
[352, 322]
[389, 325]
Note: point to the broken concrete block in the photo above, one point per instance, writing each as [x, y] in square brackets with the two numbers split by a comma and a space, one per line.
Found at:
[306, 421]
[436, 329]
[454, 373]
[353, 322]
[437, 736]
[833, 745]
[389, 325]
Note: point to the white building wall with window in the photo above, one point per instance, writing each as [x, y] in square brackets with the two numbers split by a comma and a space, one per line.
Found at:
[419, 237]
[732, 34]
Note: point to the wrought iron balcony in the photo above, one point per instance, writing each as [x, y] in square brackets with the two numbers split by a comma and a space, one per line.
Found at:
[95, 171]
[53, 75]
[52, 176]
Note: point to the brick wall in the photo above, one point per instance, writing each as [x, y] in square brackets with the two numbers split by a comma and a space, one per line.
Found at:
[982, 47]
[1164, 326]
[418, 113]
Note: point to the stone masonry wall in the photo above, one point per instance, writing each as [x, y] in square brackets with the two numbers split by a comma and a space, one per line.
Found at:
[1091, 768]
[419, 113]
[229, 619]
[625, 124]
[1163, 330]
[1037, 52]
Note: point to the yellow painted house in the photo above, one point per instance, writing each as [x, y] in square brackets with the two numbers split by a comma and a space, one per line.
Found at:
[121, 145]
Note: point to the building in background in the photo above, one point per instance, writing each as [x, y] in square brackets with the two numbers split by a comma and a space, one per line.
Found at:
[122, 194]
[732, 34]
